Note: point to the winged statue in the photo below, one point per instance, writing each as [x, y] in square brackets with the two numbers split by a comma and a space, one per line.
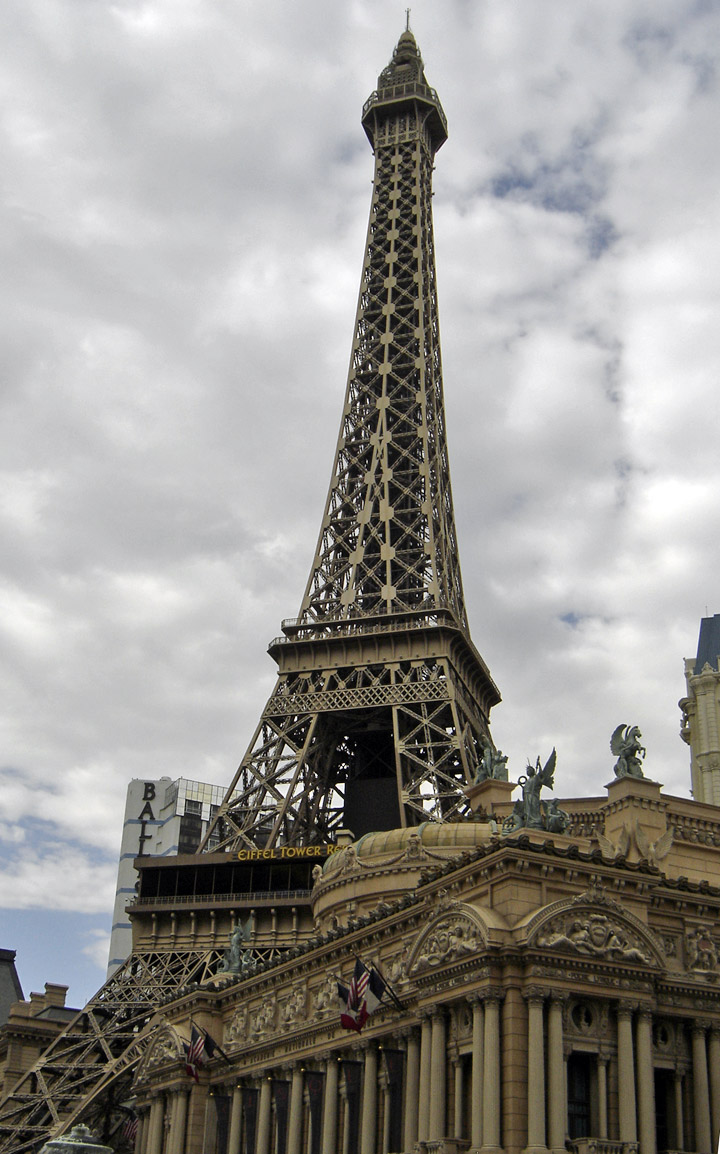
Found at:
[625, 743]
[537, 776]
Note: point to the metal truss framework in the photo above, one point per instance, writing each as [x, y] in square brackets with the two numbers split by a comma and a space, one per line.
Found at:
[86, 1072]
[369, 688]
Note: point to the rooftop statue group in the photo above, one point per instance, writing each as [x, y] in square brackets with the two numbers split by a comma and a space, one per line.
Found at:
[529, 811]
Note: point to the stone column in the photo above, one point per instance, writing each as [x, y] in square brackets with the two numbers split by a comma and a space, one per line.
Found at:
[412, 1091]
[176, 1140]
[714, 1063]
[330, 1107]
[437, 1077]
[295, 1126]
[369, 1102]
[155, 1127]
[458, 1099]
[679, 1117]
[491, 1081]
[626, 1074]
[701, 1092]
[557, 1124]
[476, 1090]
[235, 1122]
[536, 1072]
[424, 1103]
[141, 1143]
[385, 1087]
[602, 1097]
[264, 1118]
[645, 1083]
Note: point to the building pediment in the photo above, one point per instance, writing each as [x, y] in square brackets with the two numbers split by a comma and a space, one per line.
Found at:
[592, 925]
[164, 1048]
[457, 932]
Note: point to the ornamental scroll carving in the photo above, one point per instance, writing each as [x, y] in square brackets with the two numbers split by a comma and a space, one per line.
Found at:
[450, 938]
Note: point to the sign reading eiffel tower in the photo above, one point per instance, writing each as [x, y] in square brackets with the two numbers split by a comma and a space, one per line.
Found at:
[380, 715]
[381, 708]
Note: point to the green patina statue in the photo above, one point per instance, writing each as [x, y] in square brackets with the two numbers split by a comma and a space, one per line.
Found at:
[625, 744]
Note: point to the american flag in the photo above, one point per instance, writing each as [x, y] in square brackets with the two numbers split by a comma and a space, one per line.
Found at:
[193, 1053]
[130, 1129]
[352, 998]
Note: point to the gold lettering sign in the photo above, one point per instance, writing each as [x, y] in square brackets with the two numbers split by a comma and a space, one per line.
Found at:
[286, 851]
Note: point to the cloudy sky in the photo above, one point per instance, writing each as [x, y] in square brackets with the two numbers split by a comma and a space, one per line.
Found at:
[185, 190]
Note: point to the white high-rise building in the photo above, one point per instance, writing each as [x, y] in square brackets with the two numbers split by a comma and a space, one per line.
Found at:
[162, 817]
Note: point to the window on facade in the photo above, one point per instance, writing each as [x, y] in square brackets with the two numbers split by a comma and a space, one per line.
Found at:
[665, 1115]
[580, 1083]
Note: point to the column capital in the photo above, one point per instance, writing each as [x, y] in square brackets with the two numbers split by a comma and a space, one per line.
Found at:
[492, 995]
[701, 1025]
[626, 1007]
[645, 1013]
[535, 994]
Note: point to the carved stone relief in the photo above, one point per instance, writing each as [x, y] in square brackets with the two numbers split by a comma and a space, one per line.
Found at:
[324, 999]
[165, 1047]
[594, 925]
[293, 1010]
[700, 949]
[236, 1032]
[585, 1017]
[595, 935]
[262, 1021]
[452, 936]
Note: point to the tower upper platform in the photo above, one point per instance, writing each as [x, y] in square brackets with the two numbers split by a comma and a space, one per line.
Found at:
[402, 87]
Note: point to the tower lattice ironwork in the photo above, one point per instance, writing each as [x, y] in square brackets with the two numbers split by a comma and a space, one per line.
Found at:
[380, 712]
[382, 702]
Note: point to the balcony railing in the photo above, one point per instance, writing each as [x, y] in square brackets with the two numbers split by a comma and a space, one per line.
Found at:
[400, 91]
[249, 897]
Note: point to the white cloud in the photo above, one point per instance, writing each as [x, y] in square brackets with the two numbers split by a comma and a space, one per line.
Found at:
[57, 876]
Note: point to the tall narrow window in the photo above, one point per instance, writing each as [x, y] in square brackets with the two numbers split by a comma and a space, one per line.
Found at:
[580, 1078]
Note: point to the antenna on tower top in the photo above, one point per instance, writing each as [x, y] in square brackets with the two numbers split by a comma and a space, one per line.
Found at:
[407, 19]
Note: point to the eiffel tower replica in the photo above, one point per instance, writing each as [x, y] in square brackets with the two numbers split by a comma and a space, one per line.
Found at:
[379, 718]
[380, 712]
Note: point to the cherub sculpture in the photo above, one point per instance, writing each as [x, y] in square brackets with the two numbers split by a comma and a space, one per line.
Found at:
[625, 744]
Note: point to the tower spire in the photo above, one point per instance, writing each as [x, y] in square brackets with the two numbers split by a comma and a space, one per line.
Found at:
[380, 712]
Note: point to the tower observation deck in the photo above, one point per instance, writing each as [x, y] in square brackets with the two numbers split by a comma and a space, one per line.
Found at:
[382, 701]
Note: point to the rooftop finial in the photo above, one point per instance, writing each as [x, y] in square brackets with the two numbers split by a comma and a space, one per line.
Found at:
[407, 19]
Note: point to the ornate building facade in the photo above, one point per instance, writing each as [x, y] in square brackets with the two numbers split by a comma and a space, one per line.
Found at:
[551, 970]
[551, 989]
